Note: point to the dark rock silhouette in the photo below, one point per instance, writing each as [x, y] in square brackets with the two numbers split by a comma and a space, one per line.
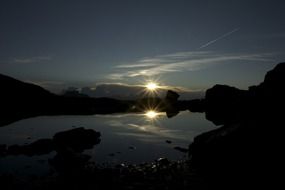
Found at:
[75, 140]
[168, 141]
[196, 105]
[171, 100]
[223, 104]
[245, 151]
[39, 147]
[69, 146]
[3, 149]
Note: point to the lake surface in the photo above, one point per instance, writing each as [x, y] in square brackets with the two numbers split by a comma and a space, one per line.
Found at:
[125, 138]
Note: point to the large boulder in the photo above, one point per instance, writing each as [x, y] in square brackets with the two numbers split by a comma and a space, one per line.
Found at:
[223, 104]
[246, 150]
[77, 139]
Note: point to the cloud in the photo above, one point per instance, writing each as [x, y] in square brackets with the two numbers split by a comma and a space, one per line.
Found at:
[146, 64]
[32, 59]
[179, 62]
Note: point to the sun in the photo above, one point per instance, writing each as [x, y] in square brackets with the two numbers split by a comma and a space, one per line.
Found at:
[151, 114]
[151, 86]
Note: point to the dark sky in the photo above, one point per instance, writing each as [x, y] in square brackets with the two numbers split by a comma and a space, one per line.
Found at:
[189, 43]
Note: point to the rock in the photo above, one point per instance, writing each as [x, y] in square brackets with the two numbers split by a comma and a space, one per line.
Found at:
[3, 149]
[172, 96]
[162, 162]
[132, 147]
[197, 105]
[15, 150]
[274, 80]
[171, 101]
[69, 162]
[39, 147]
[246, 150]
[168, 141]
[223, 104]
[180, 149]
[77, 139]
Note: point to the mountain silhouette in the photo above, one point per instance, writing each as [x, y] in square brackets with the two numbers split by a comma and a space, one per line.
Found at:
[21, 100]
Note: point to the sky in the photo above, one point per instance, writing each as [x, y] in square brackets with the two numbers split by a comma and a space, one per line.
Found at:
[188, 43]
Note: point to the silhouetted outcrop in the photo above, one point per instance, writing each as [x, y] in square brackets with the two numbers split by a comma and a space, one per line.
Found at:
[171, 100]
[223, 104]
[196, 105]
[245, 151]
[39, 147]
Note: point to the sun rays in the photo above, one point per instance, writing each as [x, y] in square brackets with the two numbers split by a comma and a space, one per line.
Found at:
[151, 114]
[151, 86]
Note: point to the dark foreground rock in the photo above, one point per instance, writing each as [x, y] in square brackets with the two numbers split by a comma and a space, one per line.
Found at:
[77, 139]
[246, 151]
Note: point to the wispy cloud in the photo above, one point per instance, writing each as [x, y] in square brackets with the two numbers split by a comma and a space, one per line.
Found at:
[32, 59]
[179, 62]
[139, 65]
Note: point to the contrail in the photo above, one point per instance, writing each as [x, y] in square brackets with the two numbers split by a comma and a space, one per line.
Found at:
[219, 38]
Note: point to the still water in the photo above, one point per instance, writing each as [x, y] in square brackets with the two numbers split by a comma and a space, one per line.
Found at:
[125, 138]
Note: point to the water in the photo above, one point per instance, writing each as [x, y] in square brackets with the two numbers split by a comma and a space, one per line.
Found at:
[125, 138]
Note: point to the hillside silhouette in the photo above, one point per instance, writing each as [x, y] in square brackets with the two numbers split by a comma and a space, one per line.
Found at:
[21, 100]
